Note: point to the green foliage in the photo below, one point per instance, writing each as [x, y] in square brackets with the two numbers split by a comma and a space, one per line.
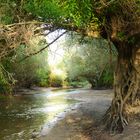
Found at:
[121, 36]
[4, 85]
[32, 71]
[42, 76]
[76, 83]
[6, 13]
[6, 19]
[46, 9]
[56, 81]
[113, 8]
[106, 79]
[132, 40]
[78, 11]
[6, 81]
[90, 61]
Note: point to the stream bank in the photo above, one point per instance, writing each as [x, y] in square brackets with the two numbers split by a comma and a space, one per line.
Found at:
[77, 124]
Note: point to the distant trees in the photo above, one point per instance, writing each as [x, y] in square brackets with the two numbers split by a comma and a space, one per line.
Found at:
[90, 60]
[32, 71]
[17, 72]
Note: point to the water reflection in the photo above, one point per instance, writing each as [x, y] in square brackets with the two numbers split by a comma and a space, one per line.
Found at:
[21, 115]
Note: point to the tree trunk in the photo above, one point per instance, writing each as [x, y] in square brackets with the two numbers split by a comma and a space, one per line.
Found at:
[126, 86]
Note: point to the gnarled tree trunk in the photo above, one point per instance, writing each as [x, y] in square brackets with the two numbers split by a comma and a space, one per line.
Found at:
[126, 86]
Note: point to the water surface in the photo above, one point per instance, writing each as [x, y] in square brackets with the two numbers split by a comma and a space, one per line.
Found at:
[21, 115]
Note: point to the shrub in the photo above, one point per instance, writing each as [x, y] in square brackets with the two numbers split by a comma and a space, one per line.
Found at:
[56, 81]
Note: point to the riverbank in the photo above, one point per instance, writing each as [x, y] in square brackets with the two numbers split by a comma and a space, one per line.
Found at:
[82, 122]
[61, 114]
[79, 122]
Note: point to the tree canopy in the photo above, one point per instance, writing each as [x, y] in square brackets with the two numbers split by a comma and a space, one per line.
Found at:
[110, 19]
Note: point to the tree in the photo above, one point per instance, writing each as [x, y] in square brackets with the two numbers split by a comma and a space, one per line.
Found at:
[116, 20]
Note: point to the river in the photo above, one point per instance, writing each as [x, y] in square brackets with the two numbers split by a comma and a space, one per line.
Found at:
[23, 115]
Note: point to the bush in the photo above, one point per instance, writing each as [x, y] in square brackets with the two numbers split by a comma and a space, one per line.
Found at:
[5, 82]
[56, 81]
[76, 83]
[106, 79]
[42, 77]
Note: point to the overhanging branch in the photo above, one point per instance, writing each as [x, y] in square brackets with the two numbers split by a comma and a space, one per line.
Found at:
[43, 47]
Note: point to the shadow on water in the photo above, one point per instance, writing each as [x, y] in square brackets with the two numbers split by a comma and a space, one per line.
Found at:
[21, 115]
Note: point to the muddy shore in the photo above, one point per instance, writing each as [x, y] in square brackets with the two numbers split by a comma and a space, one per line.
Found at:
[78, 122]
[81, 123]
